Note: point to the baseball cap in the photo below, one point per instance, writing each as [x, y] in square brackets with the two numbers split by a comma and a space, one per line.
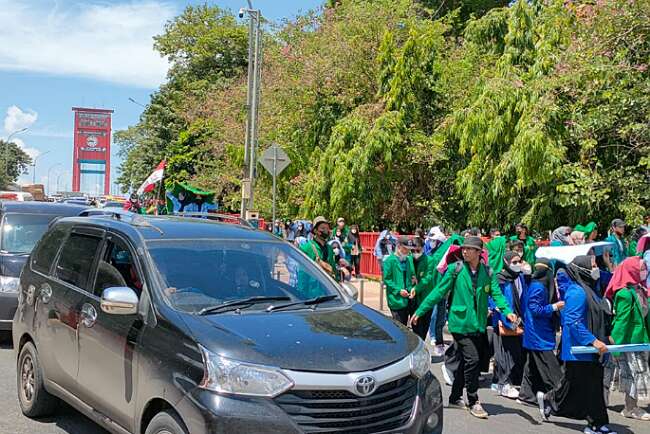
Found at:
[473, 242]
[404, 241]
[318, 221]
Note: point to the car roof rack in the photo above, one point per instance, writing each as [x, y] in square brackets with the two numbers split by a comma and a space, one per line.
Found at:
[214, 216]
[129, 217]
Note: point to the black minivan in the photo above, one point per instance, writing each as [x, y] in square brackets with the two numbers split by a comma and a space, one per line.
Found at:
[22, 224]
[152, 325]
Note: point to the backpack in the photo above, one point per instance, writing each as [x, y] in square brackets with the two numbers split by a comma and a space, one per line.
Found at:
[458, 266]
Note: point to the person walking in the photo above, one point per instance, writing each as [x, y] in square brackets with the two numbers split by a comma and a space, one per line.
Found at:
[541, 305]
[507, 339]
[617, 231]
[384, 247]
[579, 395]
[470, 282]
[318, 248]
[631, 325]
[399, 278]
[425, 273]
[356, 249]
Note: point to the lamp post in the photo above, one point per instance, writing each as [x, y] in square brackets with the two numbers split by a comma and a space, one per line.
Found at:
[34, 166]
[49, 181]
[58, 178]
[252, 102]
[22, 130]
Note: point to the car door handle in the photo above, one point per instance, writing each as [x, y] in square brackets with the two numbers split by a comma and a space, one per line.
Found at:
[88, 315]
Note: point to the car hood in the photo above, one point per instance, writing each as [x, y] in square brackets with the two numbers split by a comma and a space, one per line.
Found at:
[350, 339]
[11, 265]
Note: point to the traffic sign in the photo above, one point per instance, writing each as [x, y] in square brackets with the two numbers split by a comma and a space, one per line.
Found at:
[275, 154]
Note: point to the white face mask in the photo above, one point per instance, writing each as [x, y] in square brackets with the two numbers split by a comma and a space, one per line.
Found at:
[337, 251]
[595, 273]
[516, 268]
[417, 255]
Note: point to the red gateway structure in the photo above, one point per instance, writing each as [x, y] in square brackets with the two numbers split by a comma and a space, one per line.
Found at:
[92, 146]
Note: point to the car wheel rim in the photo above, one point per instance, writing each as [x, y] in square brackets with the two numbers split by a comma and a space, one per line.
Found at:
[27, 379]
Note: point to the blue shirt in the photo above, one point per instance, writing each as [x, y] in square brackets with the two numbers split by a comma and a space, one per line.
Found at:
[539, 328]
[575, 329]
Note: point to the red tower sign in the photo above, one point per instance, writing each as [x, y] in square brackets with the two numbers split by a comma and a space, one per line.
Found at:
[92, 146]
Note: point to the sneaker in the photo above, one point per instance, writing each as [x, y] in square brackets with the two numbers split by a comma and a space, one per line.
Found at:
[605, 430]
[496, 388]
[544, 410]
[636, 413]
[459, 404]
[439, 351]
[447, 375]
[590, 430]
[478, 411]
[509, 391]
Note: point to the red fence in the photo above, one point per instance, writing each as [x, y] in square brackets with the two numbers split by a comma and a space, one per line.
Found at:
[369, 264]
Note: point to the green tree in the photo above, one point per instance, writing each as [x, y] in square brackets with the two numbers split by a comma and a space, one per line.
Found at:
[13, 163]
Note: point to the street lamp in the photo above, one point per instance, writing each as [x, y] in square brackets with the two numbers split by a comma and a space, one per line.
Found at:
[22, 130]
[34, 166]
[137, 103]
[49, 181]
[58, 178]
[252, 103]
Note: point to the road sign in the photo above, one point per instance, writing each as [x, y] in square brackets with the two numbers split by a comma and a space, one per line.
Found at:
[275, 154]
[275, 160]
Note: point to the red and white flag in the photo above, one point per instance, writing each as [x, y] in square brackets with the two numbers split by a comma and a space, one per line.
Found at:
[156, 176]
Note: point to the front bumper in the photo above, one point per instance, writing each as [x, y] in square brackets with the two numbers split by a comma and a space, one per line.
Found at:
[8, 305]
[207, 412]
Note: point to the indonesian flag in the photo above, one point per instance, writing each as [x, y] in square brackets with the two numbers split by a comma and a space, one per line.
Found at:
[156, 176]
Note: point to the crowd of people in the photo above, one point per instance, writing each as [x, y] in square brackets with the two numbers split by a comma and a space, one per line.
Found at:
[506, 302]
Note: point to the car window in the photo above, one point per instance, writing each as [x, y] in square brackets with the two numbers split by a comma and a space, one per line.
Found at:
[76, 259]
[21, 232]
[48, 247]
[202, 273]
[117, 268]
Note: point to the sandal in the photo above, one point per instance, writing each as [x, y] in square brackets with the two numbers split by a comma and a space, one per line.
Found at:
[636, 413]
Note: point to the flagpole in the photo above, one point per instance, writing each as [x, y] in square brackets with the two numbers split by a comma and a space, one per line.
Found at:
[162, 181]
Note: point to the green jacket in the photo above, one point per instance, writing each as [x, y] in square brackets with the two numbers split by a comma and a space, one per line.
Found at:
[326, 253]
[425, 272]
[469, 306]
[395, 281]
[629, 325]
[530, 246]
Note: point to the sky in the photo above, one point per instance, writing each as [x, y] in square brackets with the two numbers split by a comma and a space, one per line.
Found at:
[59, 54]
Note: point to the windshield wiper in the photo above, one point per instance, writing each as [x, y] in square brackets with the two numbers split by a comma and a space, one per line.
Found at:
[310, 302]
[241, 302]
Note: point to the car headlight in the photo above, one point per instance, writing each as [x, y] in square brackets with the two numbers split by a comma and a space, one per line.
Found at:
[231, 376]
[420, 361]
[9, 284]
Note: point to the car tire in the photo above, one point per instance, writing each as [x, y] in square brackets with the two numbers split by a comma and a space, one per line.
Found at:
[34, 400]
[166, 422]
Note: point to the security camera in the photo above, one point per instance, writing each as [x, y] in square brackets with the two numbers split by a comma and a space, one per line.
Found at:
[241, 13]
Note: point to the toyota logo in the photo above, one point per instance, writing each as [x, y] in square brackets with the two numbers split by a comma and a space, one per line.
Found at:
[365, 385]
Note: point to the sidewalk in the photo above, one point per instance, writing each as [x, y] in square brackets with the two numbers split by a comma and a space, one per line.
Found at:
[371, 295]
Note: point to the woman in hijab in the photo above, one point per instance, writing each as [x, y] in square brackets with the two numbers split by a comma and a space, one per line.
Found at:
[354, 241]
[579, 394]
[541, 321]
[507, 340]
[561, 236]
[631, 325]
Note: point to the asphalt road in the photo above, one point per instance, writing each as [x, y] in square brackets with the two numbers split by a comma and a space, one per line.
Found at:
[506, 416]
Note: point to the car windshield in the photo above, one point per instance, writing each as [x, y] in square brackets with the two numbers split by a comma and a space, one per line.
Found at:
[202, 275]
[21, 232]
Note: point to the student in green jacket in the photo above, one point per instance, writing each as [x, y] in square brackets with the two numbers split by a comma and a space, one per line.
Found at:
[320, 252]
[425, 274]
[470, 286]
[399, 278]
[631, 325]
[530, 246]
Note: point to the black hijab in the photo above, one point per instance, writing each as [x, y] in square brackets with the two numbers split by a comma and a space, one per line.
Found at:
[544, 274]
[579, 271]
[507, 274]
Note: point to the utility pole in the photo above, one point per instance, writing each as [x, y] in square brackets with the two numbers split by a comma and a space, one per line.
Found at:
[252, 104]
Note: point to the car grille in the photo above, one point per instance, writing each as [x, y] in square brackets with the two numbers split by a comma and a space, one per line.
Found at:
[329, 411]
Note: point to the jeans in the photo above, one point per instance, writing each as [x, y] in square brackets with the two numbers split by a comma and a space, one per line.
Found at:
[438, 319]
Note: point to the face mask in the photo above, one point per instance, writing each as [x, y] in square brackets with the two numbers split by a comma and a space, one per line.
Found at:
[354, 231]
[595, 273]
[417, 255]
[337, 251]
[324, 234]
[516, 268]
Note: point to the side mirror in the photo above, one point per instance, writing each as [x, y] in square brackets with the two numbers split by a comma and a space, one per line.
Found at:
[351, 290]
[119, 300]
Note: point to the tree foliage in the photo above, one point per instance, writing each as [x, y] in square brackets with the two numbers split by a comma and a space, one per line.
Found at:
[13, 163]
[411, 112]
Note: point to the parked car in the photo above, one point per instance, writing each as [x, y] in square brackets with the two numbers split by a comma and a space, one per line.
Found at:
[20, 196]
[21, 226]
[181, 325]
